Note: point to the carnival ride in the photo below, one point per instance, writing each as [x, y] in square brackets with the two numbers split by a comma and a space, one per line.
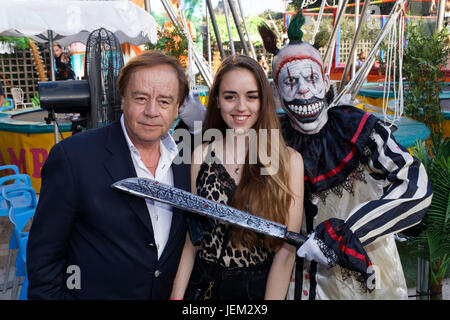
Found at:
[26, 137]
[348, 79]
[350, 83]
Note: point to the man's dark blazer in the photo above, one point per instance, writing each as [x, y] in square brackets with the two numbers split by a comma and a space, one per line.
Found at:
[80, 220]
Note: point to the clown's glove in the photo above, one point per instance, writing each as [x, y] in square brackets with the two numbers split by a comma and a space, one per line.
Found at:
[313, 250]
[192, 110]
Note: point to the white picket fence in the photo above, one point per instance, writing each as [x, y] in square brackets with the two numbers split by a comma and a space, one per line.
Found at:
[344, 49]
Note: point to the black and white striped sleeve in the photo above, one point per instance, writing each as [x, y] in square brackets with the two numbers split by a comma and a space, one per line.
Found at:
[407, 192]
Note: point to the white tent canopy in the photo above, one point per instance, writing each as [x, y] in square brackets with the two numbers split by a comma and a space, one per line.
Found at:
[73, 21]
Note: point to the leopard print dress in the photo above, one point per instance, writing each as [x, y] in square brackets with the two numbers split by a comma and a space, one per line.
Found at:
[215, 183]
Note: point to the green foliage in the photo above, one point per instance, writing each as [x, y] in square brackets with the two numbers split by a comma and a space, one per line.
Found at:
[369, 32]
[19, 43]
[173, 42]
[252, 24]
[160, 18]
[435, 239]
[269, 14]
[381, 61]
[326, 26]
[35, 100]
[322, 38]
[296, 4]
[423, 61]
[190, 6]
[273, 18]
[424, 58]
[196, 22]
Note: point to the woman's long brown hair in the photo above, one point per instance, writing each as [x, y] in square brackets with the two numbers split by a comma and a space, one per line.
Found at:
[267, 196]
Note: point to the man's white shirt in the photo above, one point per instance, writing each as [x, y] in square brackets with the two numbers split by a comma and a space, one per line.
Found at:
[160, 213]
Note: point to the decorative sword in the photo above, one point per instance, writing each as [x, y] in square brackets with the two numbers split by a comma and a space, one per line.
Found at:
[151, 189]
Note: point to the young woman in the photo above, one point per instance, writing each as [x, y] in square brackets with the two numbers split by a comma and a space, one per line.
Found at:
[63, 65]
[221, 261]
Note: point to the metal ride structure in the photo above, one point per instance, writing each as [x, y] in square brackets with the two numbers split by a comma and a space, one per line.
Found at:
[338, 12]
[196, 57]
[352, 79]
[361, 17]
[391, 34]
[394, 23]
[237, 14]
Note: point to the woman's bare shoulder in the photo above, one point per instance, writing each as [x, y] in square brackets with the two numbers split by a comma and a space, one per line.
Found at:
[294, 155]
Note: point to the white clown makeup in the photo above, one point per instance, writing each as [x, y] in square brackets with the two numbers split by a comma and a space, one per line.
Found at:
[301, 80]
[302, 86]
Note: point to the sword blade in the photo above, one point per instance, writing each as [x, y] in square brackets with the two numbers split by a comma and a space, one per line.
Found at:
[151, 189]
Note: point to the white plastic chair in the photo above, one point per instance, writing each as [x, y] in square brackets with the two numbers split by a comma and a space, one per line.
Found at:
[18, 95]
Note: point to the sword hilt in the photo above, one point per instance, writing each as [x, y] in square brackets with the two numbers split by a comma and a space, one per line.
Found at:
[294, 238]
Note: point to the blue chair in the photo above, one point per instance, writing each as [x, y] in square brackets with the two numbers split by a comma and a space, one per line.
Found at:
[6, 108]
[19, 219]
[12, 167]
[5, 171]
[20, 202]
[11, 181]
[13, 245]
[10, 106]
[16, 180]
[4, 212]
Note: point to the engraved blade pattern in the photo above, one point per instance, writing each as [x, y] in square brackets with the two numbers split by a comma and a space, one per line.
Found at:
[184, 200]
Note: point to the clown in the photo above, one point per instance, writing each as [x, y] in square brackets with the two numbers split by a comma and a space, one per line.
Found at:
[302, 85]
[361, 186]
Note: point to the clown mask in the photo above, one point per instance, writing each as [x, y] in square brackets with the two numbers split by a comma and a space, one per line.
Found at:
[302, 85]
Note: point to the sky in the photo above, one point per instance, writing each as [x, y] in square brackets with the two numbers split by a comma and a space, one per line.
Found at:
[255, 7]
[250, 7]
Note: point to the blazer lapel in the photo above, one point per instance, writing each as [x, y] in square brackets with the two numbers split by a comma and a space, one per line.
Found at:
[181, 180]
[120, 166]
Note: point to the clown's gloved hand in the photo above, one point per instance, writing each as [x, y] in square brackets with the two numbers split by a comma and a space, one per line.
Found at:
[332, 243]
[192, 110]
[311, 251]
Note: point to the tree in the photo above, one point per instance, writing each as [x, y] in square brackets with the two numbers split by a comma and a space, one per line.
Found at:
[18, 42]
[252, 22]
[425, 57]
[295, 4]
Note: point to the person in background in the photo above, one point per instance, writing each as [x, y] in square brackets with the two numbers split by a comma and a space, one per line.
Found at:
[361, 59]
[284, 36]
[263, 63]
[63, 65]
[2, 95]
[224, 262]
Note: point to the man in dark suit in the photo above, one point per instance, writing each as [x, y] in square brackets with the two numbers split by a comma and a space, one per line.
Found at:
[90, 241]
